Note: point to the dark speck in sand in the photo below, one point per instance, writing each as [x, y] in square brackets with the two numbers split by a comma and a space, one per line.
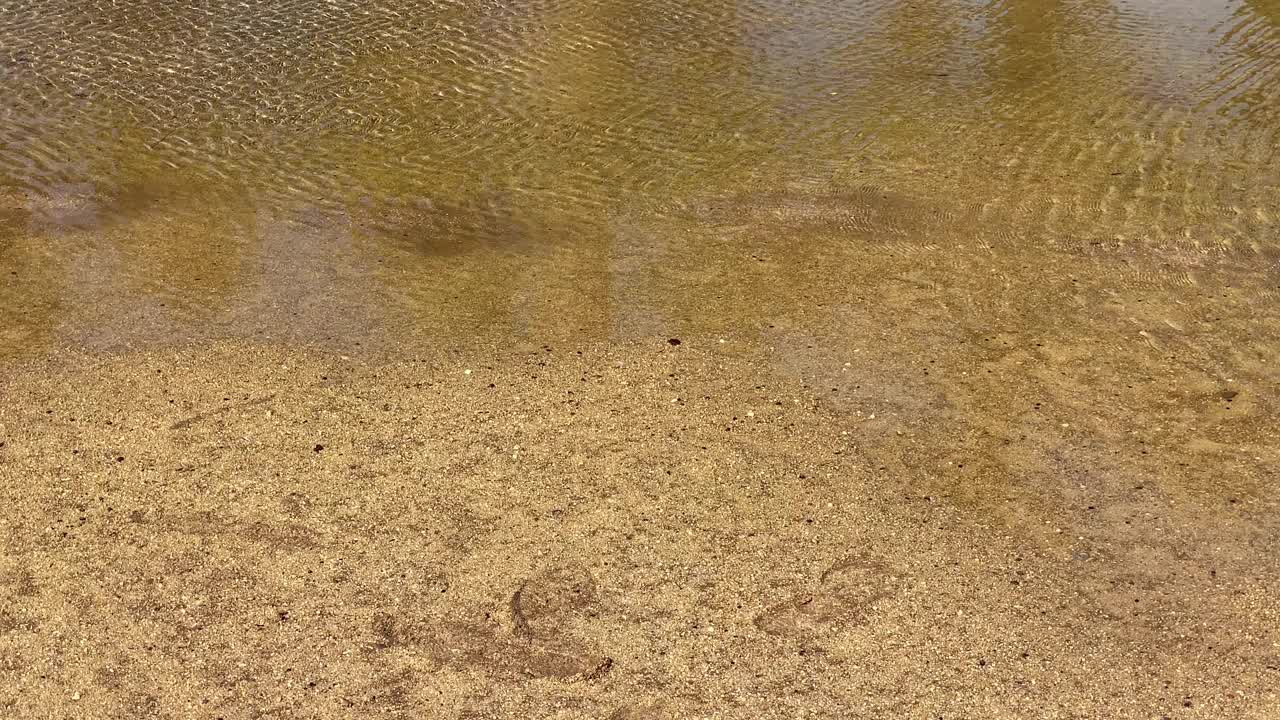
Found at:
[673, 342]
[319, 447]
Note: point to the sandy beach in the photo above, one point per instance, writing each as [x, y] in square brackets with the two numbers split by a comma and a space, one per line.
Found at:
[636, 531]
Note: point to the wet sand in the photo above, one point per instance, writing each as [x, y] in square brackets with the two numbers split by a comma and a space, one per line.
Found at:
[629, 531]
[877, 477]
[908, 467]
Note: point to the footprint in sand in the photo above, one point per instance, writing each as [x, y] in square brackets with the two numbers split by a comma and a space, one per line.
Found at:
[844, 594]
[542, 611]
[539, 643]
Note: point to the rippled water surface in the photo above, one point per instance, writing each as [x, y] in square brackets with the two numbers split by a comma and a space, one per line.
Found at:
[537, 165]
[1112, 111]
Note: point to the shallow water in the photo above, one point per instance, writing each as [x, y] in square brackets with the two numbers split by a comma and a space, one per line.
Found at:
[1146, 120]
[1099, 176]
[1085, 193]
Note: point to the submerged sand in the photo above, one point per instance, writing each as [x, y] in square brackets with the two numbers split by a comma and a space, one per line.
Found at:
[633, 530]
